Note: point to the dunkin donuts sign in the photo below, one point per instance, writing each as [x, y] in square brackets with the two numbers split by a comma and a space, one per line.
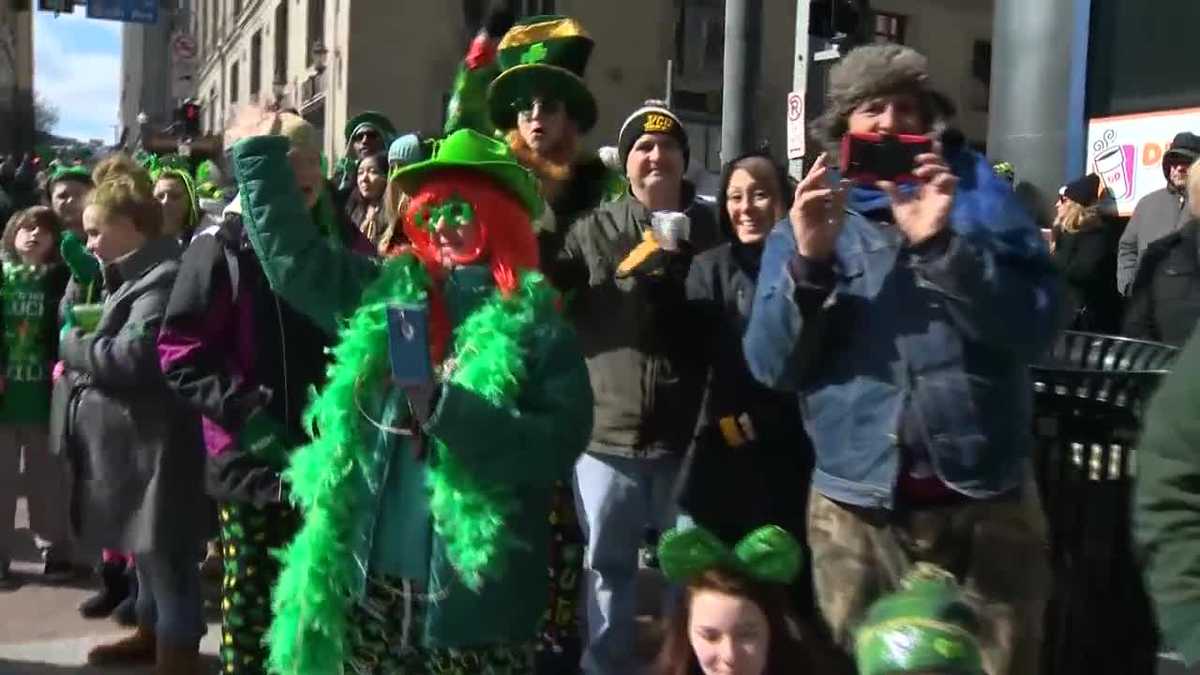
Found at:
[1127, 151]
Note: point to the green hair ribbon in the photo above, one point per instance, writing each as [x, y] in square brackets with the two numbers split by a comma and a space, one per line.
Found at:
[769, 553]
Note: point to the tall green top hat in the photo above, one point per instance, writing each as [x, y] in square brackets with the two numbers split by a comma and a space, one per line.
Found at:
[924, 627]
[469, 149]
[543, 56]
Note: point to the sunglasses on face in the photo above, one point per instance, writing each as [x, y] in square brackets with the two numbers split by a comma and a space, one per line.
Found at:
[366, 136]
[525, 106]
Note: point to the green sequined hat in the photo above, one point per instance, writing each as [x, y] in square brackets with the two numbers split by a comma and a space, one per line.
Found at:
[543, 56]
[926, 626]
[469, 149]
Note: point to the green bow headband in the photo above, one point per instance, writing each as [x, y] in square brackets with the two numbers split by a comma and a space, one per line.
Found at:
[767, 554]
[456, 211]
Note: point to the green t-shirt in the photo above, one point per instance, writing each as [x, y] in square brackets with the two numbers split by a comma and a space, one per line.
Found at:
[27, 399]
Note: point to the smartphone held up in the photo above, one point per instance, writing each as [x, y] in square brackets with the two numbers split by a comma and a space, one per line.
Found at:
[867, 158]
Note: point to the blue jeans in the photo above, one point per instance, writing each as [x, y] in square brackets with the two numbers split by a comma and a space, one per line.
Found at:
[618, 498]
[169, 597]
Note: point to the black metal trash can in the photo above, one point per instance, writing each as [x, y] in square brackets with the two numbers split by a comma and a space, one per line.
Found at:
[1089, 393]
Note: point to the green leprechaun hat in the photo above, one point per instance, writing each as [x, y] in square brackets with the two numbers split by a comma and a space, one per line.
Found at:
[543, 56]
[469, 149]
[925, 627]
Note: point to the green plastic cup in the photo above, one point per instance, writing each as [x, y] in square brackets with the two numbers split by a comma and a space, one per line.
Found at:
[87, 317]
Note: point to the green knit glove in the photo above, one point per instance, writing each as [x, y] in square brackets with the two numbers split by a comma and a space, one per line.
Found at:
[83, 265]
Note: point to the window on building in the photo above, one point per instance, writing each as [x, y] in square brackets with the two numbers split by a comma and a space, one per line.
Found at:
[281, 50]
[701, 41]
[521, 8]
[255, 65]
[316, 26]
[233, 84]
[890, 27]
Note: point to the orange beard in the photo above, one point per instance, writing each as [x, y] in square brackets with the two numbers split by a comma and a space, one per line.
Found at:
[546, 169]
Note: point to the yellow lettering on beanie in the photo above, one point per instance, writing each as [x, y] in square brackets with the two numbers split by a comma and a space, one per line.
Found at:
[658, 124]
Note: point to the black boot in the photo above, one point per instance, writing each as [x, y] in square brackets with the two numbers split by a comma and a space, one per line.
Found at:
[114, 588]
[126, 612]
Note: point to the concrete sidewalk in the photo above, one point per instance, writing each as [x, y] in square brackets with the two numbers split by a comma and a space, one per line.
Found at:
[41, 631]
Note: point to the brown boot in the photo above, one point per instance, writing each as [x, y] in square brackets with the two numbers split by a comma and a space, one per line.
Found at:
[176, 661]
[134, 650]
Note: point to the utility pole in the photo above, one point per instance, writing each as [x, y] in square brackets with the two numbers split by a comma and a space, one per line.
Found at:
[797, 112]
[743, 46]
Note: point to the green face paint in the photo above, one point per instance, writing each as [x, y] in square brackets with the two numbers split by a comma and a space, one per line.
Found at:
[455, 211]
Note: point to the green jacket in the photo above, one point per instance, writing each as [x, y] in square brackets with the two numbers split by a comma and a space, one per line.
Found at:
[529, 447]
[1167, 504]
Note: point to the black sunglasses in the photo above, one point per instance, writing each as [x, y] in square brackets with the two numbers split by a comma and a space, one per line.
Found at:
[549, 105]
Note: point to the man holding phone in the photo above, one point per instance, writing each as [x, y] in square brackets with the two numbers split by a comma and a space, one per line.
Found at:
[903, 303]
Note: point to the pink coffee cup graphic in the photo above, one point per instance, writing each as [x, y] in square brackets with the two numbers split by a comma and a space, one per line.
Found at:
[1115, 166]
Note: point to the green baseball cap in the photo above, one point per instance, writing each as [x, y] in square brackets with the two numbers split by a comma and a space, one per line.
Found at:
[469, 149]
[926, 626]
[543, 56]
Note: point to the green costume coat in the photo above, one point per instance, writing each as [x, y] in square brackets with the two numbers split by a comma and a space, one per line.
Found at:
[371, 505]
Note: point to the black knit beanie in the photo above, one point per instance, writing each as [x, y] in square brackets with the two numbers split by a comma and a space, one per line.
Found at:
[654, 117]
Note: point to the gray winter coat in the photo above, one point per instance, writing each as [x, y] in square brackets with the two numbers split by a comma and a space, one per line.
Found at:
[136, 452]
[1157, 215]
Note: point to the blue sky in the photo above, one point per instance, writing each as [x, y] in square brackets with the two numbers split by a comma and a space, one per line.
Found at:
[77, 67]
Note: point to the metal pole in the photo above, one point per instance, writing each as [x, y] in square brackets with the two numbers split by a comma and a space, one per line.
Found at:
[799, 84]
[670, 82]
[743, 40]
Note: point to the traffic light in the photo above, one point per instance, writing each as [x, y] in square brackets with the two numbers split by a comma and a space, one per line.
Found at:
[188, 117]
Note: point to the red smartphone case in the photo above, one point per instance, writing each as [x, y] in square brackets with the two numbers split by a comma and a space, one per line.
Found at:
[868, 158]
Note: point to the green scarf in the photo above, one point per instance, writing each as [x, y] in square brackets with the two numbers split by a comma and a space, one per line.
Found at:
[313, 598]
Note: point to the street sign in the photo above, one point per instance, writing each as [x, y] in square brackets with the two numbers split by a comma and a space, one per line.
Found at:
[57, 6]
[129, 11]
[184, 55]
[795, 125]
[183, 47]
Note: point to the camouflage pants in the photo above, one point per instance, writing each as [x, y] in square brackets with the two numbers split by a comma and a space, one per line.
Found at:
[997, 549]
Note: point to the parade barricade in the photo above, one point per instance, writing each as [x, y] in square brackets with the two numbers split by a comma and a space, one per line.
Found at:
[1089, 393]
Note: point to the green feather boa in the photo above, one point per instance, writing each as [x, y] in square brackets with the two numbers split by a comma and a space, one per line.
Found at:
[313, 598]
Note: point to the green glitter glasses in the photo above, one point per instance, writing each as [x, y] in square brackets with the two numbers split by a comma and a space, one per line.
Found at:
[455, 211]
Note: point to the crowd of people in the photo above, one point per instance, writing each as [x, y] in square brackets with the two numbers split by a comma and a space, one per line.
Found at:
[433, 412]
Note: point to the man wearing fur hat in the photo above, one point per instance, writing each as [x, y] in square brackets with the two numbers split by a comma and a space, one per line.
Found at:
[904, 315]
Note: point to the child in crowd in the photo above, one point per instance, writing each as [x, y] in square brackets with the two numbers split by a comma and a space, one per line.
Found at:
[734, 615]
[137, 451]
[924, 629]
[33, 281]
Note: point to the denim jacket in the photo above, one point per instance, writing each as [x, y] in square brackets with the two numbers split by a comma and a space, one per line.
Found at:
[939, 334]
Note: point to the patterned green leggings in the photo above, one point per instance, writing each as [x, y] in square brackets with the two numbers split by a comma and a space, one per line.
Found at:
[248, 535]
[389, 624]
